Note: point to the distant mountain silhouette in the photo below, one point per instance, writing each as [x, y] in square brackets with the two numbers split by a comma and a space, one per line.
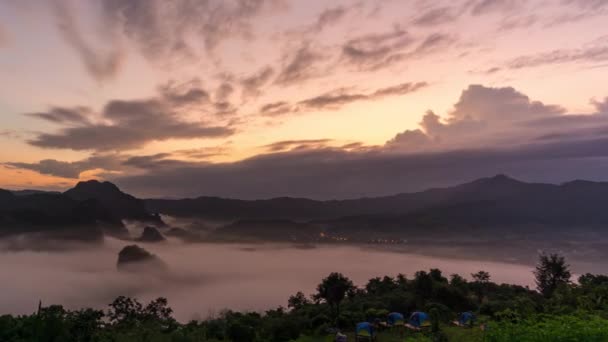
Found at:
[120, 204]
[268, 230]
[482, 205]
[492, 188]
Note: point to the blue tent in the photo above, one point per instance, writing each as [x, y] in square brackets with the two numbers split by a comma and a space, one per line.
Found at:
[395, 318]
[466, 318]
[419, 319]
[364, 329]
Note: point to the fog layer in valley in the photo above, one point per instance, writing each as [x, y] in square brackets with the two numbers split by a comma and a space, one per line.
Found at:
[206, 278]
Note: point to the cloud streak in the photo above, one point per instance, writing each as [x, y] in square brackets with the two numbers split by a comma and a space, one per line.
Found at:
[100, 64]
[337, 98]
[130, 124]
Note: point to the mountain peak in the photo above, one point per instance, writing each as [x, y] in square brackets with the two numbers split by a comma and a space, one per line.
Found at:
[94, 184]
[5, 194]
[499, 179]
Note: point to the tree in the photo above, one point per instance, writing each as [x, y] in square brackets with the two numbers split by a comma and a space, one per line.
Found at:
[297, 301]
[423, 285]
[481, 277]
[481, 280]
[551, 272]
[84, 324]
[333, 289]
[125, 311]
[380, 286]
[238, 331]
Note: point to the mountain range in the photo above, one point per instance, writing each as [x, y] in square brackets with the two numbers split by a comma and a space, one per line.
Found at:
[483, 205]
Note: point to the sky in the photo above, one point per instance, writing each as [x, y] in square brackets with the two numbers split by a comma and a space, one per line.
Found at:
[265, 98]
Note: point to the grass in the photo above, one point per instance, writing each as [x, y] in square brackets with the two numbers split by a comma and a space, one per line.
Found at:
[454, 334]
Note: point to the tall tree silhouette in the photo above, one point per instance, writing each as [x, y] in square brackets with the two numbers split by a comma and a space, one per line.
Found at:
[551, 272]
[333, 290]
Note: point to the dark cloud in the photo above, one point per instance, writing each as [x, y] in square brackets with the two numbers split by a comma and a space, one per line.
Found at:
[111, 163]
[373, 52]
[431, 43]
[591, 54]
[330, 16]
[124, 125]
[368, 51]
[482, 7]
[224, 91]
[287, 145]
[396, 90]
[153, 162]
[518, 22]
[71, 169]
[436, 16]
[224, 108]
[202, 152]
[332, 173]
[65, 116]
[334, 99]
[159, 28]
[184, 94]
[492, 70]
[339, 97]
[300, 65]
[253, 84]
[587, 4]
[577, 10]
[276, 108]
[101, 62]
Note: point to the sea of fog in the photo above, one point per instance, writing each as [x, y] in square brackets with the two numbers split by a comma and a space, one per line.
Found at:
[207, 278]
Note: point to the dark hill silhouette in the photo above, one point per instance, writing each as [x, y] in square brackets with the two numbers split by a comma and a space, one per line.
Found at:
[83, 211]
[135, 258]
[53, 212]
[151, 234]
[120, 204]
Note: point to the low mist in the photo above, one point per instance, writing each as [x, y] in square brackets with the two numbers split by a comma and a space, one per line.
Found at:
[207, 278]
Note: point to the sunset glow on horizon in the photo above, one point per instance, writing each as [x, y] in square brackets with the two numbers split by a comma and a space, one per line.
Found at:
[329, 100]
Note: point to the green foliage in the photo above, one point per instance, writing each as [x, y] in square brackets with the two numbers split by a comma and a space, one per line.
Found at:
[587, 328]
